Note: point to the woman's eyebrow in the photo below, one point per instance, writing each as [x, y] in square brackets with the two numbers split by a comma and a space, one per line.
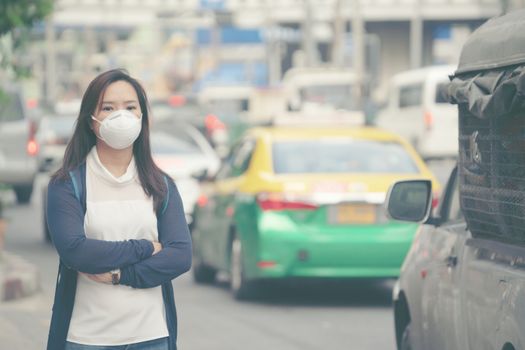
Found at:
[113, 102]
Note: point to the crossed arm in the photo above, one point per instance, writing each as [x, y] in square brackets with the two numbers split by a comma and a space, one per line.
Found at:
[142, 263]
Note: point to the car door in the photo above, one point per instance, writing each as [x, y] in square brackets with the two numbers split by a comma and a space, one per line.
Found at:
[13, 135]
[442, 315]
[227, 187]
[215, 214]
[493, 295]
[207, 215]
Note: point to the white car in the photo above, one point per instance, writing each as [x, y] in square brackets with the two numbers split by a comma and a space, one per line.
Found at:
[418, 110]
[184, 154]
[54, 133]
[18, 146]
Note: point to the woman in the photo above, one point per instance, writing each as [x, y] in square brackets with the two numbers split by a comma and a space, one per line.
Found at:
[108, 206]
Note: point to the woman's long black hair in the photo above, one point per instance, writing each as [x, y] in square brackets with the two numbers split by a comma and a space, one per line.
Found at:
[84, 138]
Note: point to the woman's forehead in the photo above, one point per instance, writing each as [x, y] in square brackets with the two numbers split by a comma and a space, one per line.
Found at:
[118, 92]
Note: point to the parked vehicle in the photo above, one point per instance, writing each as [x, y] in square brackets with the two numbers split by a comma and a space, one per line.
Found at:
[454, 292]
[228, 107]
[303, 202]
[184, 154]
[327, 88]
[54, 132]
[186, 109]
[462, 285]
[418, 110]
[18, 146]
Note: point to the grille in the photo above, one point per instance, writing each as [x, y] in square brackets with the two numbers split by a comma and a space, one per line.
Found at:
[492, 175]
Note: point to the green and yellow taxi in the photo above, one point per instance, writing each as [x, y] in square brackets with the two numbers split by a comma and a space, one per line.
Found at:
[304, 202]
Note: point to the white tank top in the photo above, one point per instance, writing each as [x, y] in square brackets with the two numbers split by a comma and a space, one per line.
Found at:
[117, 209]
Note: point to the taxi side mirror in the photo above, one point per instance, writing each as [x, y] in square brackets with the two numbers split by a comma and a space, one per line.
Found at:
[409, 200]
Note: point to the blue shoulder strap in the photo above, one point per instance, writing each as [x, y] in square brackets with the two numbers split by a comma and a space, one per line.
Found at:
[167, 199]
[76, 183]
[78, 179]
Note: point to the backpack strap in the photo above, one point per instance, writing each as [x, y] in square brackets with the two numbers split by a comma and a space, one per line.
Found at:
[75, 184]
[167, 199]
[78, 179]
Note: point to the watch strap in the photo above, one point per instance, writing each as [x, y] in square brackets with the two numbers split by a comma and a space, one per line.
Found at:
[115, 277]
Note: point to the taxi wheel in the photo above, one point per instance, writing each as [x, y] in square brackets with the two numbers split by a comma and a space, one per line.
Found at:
[202, 273]
[406, 343]
[239, 286]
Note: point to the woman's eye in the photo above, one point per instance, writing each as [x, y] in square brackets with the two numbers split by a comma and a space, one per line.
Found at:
[107, 108]
[131, 108]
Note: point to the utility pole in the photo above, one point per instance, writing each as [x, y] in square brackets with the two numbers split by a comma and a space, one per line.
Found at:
[215, 39]
[358, 48]
[416, 37]
[339, 35]
[273, 48]
[309, 44]
[50, 73]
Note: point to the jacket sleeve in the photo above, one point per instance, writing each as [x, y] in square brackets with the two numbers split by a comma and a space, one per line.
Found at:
[65, 218]
[175, 257]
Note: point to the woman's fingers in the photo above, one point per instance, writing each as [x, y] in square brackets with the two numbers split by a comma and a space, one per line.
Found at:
[157, 247]
[101, 278]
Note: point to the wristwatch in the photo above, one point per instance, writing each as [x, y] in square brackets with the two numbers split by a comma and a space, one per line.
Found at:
[115, 277]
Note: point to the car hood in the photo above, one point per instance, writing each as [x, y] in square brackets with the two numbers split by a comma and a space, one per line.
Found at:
[184, 165]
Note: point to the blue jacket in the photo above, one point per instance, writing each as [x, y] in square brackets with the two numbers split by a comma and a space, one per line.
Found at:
[66, 206]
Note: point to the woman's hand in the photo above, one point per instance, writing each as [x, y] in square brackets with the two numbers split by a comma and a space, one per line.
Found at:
[157, 247]
[107, 278]
[100, 278]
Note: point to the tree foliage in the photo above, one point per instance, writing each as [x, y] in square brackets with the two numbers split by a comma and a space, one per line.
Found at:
[16, 18]
[22, 13]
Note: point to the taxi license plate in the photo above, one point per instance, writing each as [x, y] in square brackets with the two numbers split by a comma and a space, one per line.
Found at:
[355, 214]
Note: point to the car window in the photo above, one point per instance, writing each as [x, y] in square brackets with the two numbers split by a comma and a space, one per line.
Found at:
[455, 212]
[410, 96]
[242, 159]
[178, 131]
[227, 106]
[339, 96]
[163, 143]
[189, 112]
[341, 156]
[450, 208]
[11, 108]
[238, 161]
[225, 169]
[63, 126]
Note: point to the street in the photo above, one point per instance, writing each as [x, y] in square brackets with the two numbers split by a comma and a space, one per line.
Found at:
[321, 316]
[345, 315]
[310, 144]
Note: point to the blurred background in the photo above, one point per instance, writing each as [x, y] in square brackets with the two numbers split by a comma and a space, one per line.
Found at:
[216, 71]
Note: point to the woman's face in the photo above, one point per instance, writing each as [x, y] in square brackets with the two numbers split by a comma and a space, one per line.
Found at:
[118, 95]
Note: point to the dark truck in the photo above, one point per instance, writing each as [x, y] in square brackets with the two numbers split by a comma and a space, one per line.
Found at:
[462, 285]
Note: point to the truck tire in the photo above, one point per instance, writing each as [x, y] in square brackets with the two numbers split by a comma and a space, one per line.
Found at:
[406, 342]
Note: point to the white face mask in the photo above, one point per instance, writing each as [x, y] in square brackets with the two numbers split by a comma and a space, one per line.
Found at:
[119, 129]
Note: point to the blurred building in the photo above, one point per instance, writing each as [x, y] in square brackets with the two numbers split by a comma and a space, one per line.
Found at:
[269, 36]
